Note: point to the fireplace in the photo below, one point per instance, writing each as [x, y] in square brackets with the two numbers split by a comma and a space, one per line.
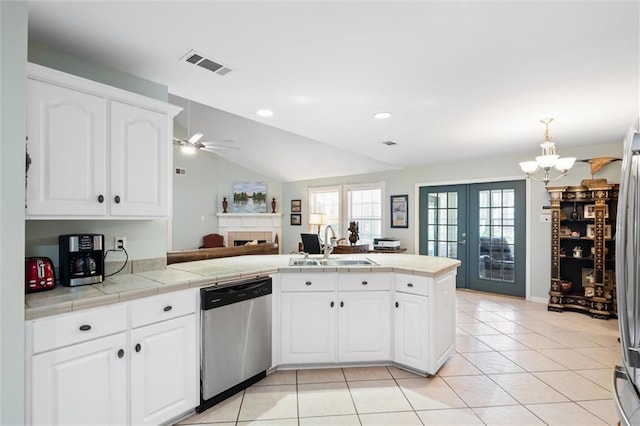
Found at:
[241, 228]
[237, 243]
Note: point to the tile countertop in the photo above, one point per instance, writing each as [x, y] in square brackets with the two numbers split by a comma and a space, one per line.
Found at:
[185, 275]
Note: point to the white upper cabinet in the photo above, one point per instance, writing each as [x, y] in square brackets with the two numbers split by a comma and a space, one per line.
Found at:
[68, 149]
[96, 151]
[140, 166]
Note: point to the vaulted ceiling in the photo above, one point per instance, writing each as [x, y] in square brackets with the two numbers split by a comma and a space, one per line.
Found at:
[462, 79]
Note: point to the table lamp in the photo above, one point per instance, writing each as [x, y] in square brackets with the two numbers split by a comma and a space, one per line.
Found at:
[317, 219]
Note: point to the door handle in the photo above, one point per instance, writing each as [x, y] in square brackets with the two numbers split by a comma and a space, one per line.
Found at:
[463, 242]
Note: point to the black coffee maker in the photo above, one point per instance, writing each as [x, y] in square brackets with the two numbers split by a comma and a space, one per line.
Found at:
[81, 259]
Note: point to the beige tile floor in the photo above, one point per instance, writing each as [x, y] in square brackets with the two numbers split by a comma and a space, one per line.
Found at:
[515, 364]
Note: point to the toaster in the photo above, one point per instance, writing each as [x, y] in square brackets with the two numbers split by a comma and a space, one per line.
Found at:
[38, 274]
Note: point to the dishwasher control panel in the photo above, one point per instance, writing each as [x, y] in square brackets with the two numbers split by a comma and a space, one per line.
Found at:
[226, 294]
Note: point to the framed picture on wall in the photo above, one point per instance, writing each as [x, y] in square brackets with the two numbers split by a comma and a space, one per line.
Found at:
[296, 206]
[296, 219]
[590, 211]
[399, 211]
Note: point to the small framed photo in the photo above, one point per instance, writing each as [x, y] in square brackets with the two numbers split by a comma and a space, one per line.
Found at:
[590, 211]
[591, 231]
[296, 219]
[296, 206]
[399, 211]
[589, 292]
[565, 231]
[588, 277]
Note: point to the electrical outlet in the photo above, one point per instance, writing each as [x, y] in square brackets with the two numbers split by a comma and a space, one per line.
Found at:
[120, 243]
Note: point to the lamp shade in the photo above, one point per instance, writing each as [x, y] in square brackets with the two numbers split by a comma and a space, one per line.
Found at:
[565, 163]
[316, 219]
[529, 166]
[547, 161]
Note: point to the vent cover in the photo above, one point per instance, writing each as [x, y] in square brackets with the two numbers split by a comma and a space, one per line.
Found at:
[390, 143]
[200, 60]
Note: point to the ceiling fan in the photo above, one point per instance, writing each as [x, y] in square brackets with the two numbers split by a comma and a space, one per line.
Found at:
[193, 144]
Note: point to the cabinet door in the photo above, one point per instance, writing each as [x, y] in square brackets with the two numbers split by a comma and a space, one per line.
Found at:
[411, 331]
[67, 145]
[140, 162]
[308, 327]
[164, 371]
[363, 326]
[83, 384]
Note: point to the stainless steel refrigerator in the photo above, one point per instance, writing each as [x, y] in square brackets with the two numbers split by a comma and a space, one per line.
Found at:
[626, 378]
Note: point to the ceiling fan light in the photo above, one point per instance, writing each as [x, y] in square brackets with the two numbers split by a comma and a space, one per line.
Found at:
[547, 161]
[529, 166]
[195, 138]
[565, 163]
[188, 148]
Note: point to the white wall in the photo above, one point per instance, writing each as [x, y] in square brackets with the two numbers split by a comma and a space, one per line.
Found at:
[197, 196]
[481, 169]
[13, 53]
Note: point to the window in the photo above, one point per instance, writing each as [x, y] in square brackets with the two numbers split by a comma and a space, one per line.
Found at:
[365, 207]
[343, 204]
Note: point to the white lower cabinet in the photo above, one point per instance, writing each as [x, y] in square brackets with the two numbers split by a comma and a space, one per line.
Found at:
[163, 371]
[83, 384]
[129, 363]
[308, 327]
[411, 331]
[363, 326]
[327, 318]
[424, 320]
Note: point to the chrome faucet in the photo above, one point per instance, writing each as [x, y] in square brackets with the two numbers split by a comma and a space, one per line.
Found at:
[329, 243]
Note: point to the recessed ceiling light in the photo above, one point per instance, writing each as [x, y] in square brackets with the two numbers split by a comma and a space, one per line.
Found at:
[382, 115]
[265, 113]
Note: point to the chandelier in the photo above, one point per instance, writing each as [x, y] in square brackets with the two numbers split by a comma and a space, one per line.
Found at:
[548, 159]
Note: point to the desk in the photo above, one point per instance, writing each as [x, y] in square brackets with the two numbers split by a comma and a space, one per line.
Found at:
[398, 250]
[345, 249]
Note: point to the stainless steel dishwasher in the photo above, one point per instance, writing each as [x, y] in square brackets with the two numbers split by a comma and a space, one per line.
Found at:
[236, 338]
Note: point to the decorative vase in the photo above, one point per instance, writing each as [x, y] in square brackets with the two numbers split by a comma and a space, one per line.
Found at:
[574, 213]
[225, 204]
[273, 205]
[565, 286]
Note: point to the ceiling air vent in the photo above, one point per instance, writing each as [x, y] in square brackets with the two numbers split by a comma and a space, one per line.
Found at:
[390, 143]
[195, 58]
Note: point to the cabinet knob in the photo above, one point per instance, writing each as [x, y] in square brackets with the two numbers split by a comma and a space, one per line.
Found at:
[121, 353]
[308, 283]
[332, 304]
[342, 304]
[364, 283]
[409, 284]
[101, 198]
[138, 347]
[397, 305]
[85, 327]
[168, 308]
[117, 199]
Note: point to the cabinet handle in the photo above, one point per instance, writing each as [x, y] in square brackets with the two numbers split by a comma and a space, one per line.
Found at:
[117, 199]
[342, 304]
[397, 305]
[332, 304]
[409, 284]
[121, 353]
[364, 283]
[308, 283]
[85, 327]
[168, 308]
[138, 347]
[101, 198]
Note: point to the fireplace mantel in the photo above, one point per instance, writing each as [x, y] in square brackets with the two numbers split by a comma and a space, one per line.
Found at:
[259, 226]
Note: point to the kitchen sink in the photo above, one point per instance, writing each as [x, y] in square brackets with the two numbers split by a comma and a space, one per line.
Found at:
[339, 261]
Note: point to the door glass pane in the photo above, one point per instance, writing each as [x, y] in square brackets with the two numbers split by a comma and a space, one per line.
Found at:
[496, 221]
[442, 228]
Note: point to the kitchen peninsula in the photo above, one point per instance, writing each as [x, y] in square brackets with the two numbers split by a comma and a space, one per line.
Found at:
[400, 310]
